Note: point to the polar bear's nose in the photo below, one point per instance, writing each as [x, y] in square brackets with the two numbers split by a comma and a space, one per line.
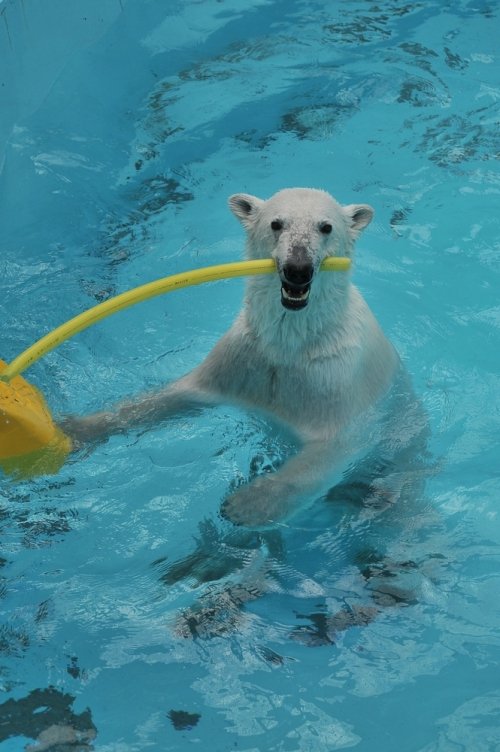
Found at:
[298, 273]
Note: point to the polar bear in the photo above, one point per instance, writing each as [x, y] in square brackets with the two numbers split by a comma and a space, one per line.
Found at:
[305, 348]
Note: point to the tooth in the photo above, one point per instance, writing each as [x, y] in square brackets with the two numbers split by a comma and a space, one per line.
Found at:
[299, 295]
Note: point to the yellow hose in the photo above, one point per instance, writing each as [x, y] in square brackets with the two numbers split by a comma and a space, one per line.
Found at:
[30, 442]
[150, 290]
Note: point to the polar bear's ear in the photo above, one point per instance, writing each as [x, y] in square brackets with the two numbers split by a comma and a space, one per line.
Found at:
[245, 207]
[359, 216]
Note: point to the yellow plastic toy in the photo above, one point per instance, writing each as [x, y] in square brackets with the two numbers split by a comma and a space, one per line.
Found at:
[30, 442]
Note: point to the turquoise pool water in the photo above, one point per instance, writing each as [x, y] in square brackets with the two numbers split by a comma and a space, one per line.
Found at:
[124, 128]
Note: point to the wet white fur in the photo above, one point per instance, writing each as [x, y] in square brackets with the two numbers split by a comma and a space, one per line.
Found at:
[318, 370]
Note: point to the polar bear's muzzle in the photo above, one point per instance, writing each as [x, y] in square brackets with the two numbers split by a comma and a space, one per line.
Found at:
[296, 277]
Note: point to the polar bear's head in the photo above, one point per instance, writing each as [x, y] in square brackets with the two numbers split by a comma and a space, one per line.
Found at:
[298, 228]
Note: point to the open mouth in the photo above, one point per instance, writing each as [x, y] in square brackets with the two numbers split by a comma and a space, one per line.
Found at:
[296, 275]
[294, 297]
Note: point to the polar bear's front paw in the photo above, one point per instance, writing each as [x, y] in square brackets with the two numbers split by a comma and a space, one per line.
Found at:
[262, 503]
[87, 429]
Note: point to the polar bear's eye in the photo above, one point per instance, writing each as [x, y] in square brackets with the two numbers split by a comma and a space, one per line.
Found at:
[276, 224]
[325, 228]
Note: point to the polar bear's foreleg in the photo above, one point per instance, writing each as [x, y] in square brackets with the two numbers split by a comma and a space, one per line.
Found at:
[148, 410]
[276, 496]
